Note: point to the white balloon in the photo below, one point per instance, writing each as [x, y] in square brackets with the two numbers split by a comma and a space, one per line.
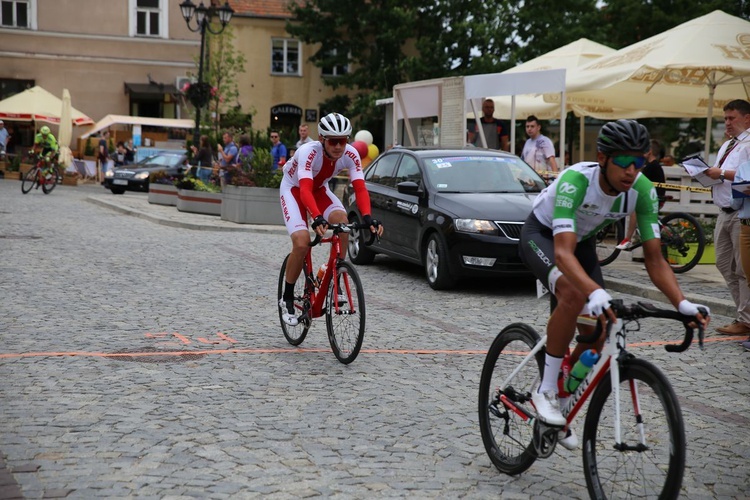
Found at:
[364, 136]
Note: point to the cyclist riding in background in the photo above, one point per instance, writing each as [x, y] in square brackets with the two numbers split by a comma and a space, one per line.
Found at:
[304, 189]
[558, 245]
[45, 142]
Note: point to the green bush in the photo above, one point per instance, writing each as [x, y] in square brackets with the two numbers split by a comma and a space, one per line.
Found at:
[256, 172]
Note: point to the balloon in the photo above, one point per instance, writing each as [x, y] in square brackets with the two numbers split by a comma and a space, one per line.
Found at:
[372, 151]
[365, 161]
[364, 136]
[361, 148]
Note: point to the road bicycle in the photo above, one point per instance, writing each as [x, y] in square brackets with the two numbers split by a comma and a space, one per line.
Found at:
[45, 173]
[682, 241]
[338, 294]
[633, 436]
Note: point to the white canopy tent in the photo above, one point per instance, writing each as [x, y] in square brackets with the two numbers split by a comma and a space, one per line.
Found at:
[451, 99]
[112, 120]
[691, 70]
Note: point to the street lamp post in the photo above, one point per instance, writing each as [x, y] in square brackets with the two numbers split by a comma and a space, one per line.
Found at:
[199, 93]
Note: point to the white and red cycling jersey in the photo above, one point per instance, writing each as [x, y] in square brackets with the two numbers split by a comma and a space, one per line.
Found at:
[304, 187]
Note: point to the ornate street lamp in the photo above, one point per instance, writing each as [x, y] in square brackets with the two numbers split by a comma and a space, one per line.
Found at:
[199, 93]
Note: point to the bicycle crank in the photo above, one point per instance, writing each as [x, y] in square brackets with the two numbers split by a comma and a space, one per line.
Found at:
[544, 440]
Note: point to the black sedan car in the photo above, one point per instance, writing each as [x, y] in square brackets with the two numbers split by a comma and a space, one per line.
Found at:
[458, 212]
[135, 177]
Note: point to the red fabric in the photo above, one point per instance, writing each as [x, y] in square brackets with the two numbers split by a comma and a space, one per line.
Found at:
[307, 198]
[363, 197]
[326, 172]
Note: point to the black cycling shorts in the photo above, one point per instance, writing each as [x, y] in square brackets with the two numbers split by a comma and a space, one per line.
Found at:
[537, 250]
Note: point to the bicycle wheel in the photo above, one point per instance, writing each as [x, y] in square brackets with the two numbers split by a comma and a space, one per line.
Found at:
[607, 239]
[295, 334]
[29, 180]
[346, 327]
[651, 459]
[682, 241]
[506, 436]
[51, 180]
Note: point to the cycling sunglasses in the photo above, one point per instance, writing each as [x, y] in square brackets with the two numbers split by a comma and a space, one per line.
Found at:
[338, 141]
[624, 161]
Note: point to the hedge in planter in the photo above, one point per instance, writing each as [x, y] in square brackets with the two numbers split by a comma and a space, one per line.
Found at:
[251, 195]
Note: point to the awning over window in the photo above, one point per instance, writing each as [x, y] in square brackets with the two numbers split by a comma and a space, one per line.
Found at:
[150, 89]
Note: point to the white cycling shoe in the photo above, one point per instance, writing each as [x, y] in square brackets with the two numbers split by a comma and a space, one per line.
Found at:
[287, 313]
[568, 440]
[548, 407]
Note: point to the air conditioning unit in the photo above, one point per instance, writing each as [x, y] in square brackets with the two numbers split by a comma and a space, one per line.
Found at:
[180, 81]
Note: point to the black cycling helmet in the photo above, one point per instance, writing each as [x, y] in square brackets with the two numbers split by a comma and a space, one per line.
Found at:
[623, 135]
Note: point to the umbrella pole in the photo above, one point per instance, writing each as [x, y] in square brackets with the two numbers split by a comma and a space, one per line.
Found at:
[710, 120]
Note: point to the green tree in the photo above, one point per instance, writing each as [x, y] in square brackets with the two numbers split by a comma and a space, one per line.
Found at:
[223, 62]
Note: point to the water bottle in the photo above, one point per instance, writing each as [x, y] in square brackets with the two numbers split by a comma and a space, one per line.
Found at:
[321, 273]
[582, 367]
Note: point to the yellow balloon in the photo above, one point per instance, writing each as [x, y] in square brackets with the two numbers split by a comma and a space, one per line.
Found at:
[372, 151]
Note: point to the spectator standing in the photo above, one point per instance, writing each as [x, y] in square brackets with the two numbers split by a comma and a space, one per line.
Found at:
[495, 131]
[742, 205]
[102, 155]
[278, 150]
[538, 151]
[655, 173]
[304, 135]
[246, 150]
[732, 154]
[4, 137]
[227, 156]
[123, 155]
[203, 159]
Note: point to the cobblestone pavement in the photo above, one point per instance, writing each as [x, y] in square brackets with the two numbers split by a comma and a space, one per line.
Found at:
[141, 359]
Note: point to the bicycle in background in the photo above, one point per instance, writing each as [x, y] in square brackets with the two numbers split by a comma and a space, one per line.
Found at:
[338, 294]
[682, 241]
[45, 173]
[633, 435]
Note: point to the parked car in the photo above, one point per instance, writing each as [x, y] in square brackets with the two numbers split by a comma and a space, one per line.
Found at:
[457, 212]
[135, 177]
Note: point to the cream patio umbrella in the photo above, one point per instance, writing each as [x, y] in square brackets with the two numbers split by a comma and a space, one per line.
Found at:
[65, 133]
[36, 104]
[691, 70]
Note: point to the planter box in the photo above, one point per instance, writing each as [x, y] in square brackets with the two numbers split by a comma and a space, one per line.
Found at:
[708, 257]
[70, 180]
[25, 167]
[198, 202]
[12, 175]
[251, 205]
[162, 194]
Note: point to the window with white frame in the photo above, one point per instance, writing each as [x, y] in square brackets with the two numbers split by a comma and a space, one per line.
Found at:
[285, 57]
[148, 18]
[15, 13]
[335, 70]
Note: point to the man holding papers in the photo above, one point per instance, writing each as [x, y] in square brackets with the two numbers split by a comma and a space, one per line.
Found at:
[732, 154]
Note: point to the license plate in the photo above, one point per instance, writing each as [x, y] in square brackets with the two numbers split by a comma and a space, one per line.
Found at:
[120, 182]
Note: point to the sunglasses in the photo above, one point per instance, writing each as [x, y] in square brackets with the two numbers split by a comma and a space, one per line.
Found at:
[337, 142]
[274, 137]
[624, 161]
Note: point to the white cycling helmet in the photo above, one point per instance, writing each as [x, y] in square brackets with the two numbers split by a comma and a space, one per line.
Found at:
[334, 125]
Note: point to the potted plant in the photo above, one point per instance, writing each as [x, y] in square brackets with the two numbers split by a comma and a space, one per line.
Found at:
[251, 195]
[12, 170]
[162, 189]
[196, 196]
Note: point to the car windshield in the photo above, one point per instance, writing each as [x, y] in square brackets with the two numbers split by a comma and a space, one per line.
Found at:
[482, 174]
[165, 160]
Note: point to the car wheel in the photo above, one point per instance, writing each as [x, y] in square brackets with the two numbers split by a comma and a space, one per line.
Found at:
[117, 190]
[436, 264]
[358, 252]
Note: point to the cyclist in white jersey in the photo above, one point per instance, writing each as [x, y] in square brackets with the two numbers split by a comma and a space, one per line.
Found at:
[304, 189]
[558, 238]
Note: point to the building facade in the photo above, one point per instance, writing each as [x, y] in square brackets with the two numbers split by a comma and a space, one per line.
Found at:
[130, 57]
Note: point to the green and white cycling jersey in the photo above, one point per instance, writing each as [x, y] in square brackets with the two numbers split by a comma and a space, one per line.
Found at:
[575, 203]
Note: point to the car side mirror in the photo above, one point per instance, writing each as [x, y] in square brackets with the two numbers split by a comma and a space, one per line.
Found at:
[408, 187]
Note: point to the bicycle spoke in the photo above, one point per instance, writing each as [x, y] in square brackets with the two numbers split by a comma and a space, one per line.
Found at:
[345, 320]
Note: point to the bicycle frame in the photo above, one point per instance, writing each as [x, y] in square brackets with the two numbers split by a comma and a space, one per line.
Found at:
[318, 297]
[613, 348]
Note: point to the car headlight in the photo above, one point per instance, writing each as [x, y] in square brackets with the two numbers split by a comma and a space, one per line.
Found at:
[141, 175]
[475, 226]
[110, 173]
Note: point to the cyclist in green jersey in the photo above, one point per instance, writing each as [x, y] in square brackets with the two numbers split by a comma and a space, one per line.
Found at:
[45, 142]
[557, 244]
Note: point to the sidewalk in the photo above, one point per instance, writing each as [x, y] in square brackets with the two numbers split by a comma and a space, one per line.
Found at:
[702, 284]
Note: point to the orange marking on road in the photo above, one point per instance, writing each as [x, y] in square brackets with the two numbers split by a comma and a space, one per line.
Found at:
[226, 337]
[467, 352]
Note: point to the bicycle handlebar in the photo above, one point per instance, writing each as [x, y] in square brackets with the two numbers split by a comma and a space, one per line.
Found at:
[345, 228]
[643, 310]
